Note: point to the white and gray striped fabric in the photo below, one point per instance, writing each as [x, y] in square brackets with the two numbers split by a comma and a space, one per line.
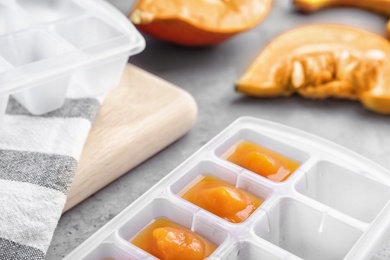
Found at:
[38, 159]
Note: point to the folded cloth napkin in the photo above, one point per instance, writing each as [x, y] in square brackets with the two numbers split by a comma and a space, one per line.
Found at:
[38, 159]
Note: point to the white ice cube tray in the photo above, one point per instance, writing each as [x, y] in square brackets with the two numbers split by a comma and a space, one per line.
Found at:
[48, 45]
[334, 206]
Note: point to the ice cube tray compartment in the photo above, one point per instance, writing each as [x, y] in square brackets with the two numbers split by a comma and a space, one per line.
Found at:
[266, 141]
[42, 45]
[188, 179]
[158, 208]
[48, 42]
[74, 31]
[306, 232]
[163, 208]
[110, 72]
[227, 148]
[45, 97]
[226, 175]
[100, 34]
[344, 190]
[50, 10]
[49, 95]
[311, 215]
[12, 19]
[249, 250]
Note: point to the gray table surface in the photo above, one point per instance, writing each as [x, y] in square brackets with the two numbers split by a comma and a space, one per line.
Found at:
[209, 75]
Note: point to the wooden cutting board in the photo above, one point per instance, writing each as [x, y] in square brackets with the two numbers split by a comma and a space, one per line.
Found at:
[137, 119]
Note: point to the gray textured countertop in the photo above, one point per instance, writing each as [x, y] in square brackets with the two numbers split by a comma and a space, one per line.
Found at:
[208, 74]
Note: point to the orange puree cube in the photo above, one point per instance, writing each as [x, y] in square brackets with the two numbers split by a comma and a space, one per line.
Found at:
[223, 199]
[262, 161]
[176, 243]
[167, 240]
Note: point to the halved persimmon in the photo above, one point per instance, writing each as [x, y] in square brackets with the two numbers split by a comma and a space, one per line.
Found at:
[321, 61]
[197, 22]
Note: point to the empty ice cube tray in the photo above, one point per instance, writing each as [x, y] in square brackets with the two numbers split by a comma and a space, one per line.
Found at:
[48, 45]
[334, 206]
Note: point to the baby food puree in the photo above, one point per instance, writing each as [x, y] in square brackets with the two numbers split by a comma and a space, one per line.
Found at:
[222, 199]
[262, 161]
[167, 240]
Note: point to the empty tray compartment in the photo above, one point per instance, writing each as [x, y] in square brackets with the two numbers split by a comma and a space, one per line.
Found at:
[344, 190]
[93, 35]
[28, 47]
[12, 19]
[306, 232]
[84, 32]
[247, 250]
[50, 10]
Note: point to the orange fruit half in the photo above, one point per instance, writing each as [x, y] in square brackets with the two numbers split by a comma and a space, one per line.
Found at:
[197, 22]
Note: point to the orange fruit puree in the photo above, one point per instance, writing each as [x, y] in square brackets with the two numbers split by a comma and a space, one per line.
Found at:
[223, 199]
[167, 240]
[262, 161]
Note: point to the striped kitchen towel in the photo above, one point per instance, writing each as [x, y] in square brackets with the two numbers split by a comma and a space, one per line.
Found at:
[38, 159]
